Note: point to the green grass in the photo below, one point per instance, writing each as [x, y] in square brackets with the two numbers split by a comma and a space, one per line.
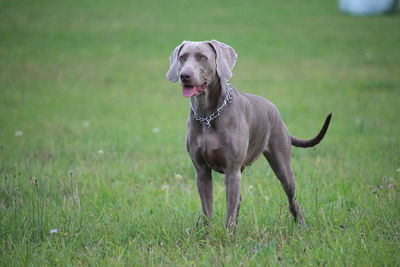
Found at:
[81, 77]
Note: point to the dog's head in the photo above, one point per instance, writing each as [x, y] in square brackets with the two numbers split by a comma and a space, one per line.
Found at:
[200, 64]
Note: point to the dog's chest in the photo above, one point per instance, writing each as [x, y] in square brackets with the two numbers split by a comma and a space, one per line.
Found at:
[211, 150]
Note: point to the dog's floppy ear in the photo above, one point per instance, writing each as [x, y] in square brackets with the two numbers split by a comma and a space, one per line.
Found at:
[226, 59]
[172, 74]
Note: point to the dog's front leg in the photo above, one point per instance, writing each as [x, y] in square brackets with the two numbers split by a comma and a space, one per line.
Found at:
[205, 187]
[232, 183]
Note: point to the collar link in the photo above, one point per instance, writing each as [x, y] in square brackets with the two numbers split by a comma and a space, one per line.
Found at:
[213, 116]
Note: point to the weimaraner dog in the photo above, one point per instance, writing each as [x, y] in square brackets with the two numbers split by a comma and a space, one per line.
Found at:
[228, 129]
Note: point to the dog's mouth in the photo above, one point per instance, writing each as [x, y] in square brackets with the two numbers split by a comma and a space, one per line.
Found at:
[189, 90]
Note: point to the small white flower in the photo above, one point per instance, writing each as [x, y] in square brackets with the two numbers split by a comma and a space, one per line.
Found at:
[178, 177]
[155, 130]
[165, 187]
[101, 152]
[53, 231]
[251, 187]
[86, 123]
[77, 199]
[18, 133]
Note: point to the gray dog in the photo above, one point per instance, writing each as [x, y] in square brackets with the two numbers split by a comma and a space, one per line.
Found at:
[228, 129]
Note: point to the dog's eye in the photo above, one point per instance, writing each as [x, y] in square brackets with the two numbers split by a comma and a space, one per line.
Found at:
[183, 57]
[203, 58]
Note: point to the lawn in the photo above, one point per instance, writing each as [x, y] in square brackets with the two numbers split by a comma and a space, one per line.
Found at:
[93, 166]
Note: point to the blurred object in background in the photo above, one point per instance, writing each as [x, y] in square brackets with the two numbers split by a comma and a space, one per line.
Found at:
[368, 7]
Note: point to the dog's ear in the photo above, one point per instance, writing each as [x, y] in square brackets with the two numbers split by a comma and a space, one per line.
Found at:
[172, 74]
[226, 59]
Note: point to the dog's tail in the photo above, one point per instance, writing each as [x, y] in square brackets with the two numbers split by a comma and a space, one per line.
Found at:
[314, 141]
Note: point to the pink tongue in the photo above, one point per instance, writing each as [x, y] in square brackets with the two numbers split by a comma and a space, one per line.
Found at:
[190, 91]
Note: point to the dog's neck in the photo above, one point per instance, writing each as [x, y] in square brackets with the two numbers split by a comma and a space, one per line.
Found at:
[208, 102]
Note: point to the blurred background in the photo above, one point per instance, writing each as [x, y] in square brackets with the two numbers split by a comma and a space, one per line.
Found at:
[67, 61]
[87, 116]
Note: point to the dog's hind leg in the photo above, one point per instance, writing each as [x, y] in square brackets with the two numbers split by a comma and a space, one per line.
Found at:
[278, 156]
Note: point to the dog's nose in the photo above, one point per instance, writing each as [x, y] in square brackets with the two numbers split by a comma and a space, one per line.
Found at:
[185, 76]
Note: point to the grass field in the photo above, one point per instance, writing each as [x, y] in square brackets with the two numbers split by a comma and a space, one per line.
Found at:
[92, 135]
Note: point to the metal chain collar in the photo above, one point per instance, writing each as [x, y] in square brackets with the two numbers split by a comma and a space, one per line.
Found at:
[213, 116]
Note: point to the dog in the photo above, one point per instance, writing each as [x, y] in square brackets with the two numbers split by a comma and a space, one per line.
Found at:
[228, 129]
